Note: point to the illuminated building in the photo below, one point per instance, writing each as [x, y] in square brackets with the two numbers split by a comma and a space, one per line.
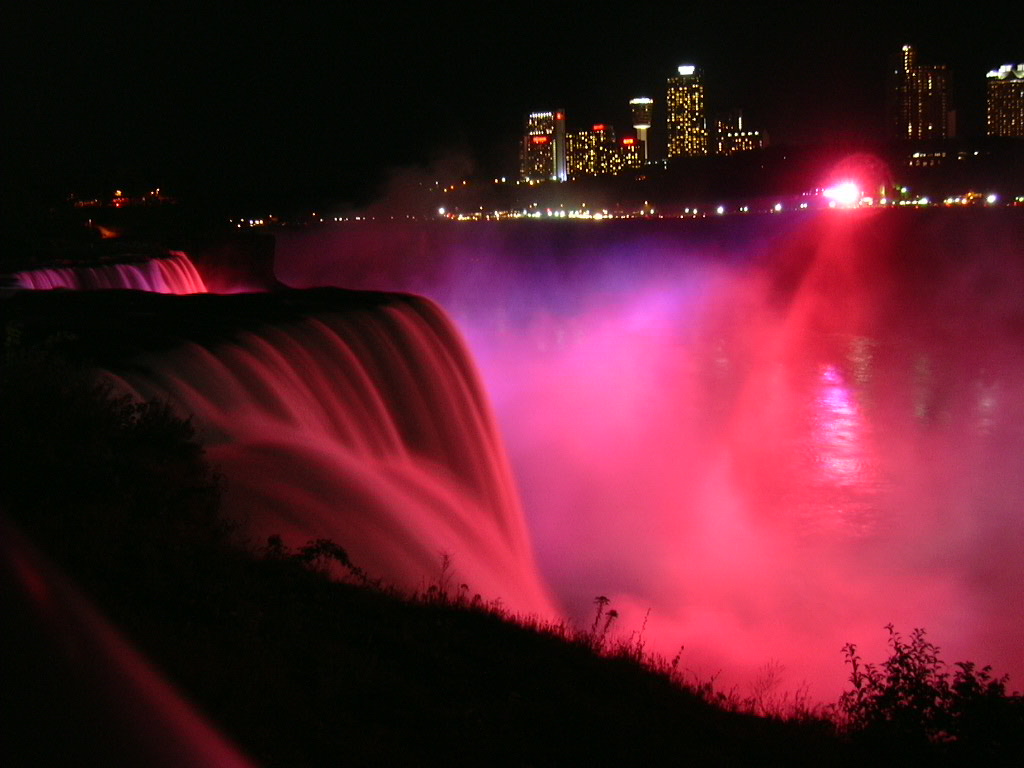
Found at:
[687, 124]
[592, 152]
[537, 161]
[1005, 110]
[543, 156]
[927, 159]
[596, 152]
[581, 152]
[632, 153]
[920, 99]
[731, 136]
[642, 109]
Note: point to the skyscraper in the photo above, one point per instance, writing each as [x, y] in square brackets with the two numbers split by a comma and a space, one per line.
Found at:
[687, 123]
[920, 99]
[1005, 110]
[543, 152]
[641, 109]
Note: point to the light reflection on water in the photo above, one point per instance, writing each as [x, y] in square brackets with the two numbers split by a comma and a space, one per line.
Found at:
[843, 484]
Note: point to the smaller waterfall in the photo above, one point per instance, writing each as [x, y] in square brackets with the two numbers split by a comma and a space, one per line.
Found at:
[174, 273]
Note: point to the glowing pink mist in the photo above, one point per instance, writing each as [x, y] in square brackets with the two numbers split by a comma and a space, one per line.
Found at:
[777, 435]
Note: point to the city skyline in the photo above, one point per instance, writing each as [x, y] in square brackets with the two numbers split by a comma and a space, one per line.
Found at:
[682, 128]
[324, 103]
[920, 108]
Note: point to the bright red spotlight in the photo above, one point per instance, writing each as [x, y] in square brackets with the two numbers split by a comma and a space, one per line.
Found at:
[844, 193]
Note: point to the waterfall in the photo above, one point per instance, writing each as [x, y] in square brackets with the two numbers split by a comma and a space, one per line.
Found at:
[366, 425]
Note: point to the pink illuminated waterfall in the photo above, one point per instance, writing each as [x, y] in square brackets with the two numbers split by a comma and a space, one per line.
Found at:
[174, 273]
[367, 426]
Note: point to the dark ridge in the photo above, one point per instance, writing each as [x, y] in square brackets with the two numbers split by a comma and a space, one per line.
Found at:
[112, 327]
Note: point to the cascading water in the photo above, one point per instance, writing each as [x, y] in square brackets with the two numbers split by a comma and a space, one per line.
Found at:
[174, 273]
[367, 426]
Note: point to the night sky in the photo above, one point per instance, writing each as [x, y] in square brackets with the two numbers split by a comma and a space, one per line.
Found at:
[316, 102]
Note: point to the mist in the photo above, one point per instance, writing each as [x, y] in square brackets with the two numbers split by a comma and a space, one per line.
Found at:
[761, 437]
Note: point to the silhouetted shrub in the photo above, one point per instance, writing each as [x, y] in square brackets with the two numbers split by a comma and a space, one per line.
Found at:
[911, 703]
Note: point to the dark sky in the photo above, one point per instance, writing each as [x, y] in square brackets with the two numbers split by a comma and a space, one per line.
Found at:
[323, 100]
